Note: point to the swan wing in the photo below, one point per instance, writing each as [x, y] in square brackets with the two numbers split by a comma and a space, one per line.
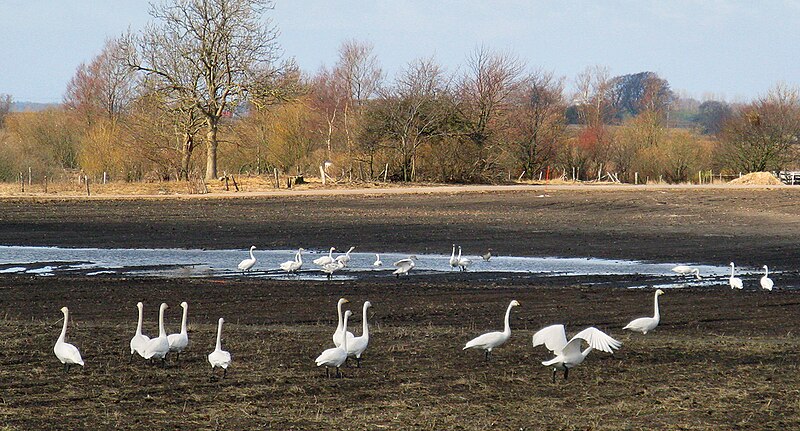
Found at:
[766, 283]
[177, 342]
[286, 266]
[322, 260]
[246, 264]
[641, 324]
[357, 345]
[219, 358]
[404, 263]
[332, 357]
[68, 354]
[598, 340]
[553, 337]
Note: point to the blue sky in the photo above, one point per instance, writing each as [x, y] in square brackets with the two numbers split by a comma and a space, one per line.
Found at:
[735, 50]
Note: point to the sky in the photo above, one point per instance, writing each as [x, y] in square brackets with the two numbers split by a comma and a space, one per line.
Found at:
[730, 50]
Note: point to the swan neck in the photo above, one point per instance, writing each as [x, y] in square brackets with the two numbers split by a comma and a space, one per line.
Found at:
[656, 315]
[339, 313]
[219, 336]
[731, 270]
[766, 271]
[161, 331]
[507, 329]
[183, 320]
[344, 334]
[365, 326]
[63, 328]
[454, 252]
[139, 323]
[251, 255]
[459, 253]
[330, 253]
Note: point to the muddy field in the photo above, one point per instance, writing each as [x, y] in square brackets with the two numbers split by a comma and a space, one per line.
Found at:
[719, 360]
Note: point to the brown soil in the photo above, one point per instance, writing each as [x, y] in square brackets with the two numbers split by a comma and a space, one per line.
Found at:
[758, 178]
[719, 360]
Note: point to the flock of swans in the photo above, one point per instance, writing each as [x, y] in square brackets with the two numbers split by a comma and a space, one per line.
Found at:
[733, 281]
[568, 354]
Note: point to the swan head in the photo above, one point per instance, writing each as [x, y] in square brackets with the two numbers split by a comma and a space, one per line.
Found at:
[347, 314]
[333, 248]
[301, 249]
[765, 267]
[351, 249]
[252, 247]
[731, 264]
[221, 320]
[367, 304]
[659, 292]
[413, 257]
[139, 305]
[64, 310]
[184, 304]
[515, 303]
[343, 301]
[163, 306]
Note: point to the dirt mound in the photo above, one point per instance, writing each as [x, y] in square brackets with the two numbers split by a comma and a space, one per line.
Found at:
[758, 178]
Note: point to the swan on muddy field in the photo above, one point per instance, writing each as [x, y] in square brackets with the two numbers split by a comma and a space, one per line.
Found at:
[453, 259]
[179, 341]
[766, 282]
[647, 324]
[735, 282]
[378, 261]
[358, 345]
[65, 352]
[569, 354]
[158, 347]
[292, 266]
[345, 258]
[463, 262]
[219, 358]
[337, 335]
[139, 340]
[246, 264]
[330, 268]
[491, 340]
[335, 356]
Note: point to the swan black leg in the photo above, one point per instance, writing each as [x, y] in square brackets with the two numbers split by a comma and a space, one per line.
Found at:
[327, 373]
[339, 373]
[566, 373]
[177, 355]
[130, 361]
[554, 374]
[224, 372]
[358, 362]
[164, 362]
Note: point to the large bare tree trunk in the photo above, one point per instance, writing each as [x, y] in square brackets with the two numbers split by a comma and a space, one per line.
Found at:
[211, 153]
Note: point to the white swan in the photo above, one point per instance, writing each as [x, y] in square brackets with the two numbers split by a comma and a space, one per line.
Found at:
[330, 268]
[766, 282]
[219, 358]
[378, 261]
[335, 356]
[569, 354]
[463, 262]
[65, 352]
[735, 282]
[490, 340]
[292, 266]
[646, 324]
[337, 335]
[139, 340]
[158, 347]
[324, 260]
[345, 258]
[179, 341]
[686, 270]
[358, 345]
[246, 264]
[453, 260]
[404, 265]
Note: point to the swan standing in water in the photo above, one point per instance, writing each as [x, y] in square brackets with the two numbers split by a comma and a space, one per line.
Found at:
[324, 260]
[179, 341]
[358, 345]
[345, 258]
[735, 282]
[687, 270]
[139, 340]
[246, 264]
[292, 266]
[330, 268]
[453, 259]
[490, 340]
[766, 282]
[65, 352]
[646, 324]
[337, 335]
[404, 265]
[463, 262]
[158, 347]
[219, 358]
[378, 261]
[569, 354]
[488, 255]
[335, 356]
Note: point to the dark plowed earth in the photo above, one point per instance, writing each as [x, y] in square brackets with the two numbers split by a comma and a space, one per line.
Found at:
[720, 359]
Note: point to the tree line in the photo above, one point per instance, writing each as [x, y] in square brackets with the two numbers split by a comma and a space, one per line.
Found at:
[204, 90]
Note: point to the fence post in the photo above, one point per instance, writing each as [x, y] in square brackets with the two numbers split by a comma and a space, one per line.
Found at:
[635, 178]
[86, 180]
[105, 177]
[385, 172]
[30, 175]
[45, 183]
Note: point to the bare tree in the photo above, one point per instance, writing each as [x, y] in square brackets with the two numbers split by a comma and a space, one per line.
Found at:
[538, 121]
[210, 52]
[764, 135]
[5, 107]
[484, 99]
